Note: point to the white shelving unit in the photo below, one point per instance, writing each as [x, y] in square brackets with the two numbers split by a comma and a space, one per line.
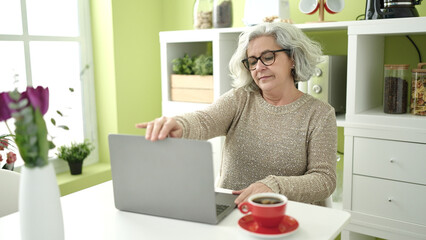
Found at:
[384, 183]
[176, 44]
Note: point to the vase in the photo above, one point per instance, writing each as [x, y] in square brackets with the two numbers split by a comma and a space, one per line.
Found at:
[75, 167]
[39, 204]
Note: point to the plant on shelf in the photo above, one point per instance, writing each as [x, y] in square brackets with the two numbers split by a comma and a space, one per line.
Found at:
[75, 154]
[192, 80]
[183, 65]
[200, 65]
[203, 65]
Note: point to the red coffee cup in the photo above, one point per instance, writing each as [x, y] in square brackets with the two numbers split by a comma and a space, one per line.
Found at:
[267, 209]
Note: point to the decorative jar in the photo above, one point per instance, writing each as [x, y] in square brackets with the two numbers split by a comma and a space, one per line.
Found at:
[396, 88]
[222, 13]
[418, 90]
[203, 13]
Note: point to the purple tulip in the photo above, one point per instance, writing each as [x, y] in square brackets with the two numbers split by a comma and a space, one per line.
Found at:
[5, 112]
[38, 98]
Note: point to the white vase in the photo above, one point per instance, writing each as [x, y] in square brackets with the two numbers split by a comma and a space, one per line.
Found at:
[39, 204]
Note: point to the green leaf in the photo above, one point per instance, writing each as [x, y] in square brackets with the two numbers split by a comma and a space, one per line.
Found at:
[77, 152]
[15, 95]
[23, 103]
[17, 115]
[64, 127]
[59, 113]
[43, 144]
[51, 145]
[203, 65]
[14, 106]
[53, 121]
[32, 140]
[71, 89]
[183, 65]
[31, 129]
[27, 111]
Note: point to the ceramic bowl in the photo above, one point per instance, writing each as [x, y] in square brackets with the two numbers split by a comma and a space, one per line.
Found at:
[334, 6]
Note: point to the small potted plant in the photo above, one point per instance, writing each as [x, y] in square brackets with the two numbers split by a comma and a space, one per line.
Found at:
[192, 79]
[75, 155]
[5, 140]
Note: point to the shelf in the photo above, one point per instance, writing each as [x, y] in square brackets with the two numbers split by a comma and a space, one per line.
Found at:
[209, 34]
[370, 27]
[377, 119]
[389, 26]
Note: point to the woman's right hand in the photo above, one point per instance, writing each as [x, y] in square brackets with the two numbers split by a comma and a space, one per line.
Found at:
[161, 128]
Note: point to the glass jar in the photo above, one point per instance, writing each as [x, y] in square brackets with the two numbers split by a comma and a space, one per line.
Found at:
[222, 13]
[418, 90]
[396, 88]
[203, 13]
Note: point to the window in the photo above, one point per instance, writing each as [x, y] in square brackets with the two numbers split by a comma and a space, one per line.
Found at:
[47, 43]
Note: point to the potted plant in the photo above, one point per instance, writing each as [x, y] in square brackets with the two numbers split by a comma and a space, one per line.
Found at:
[192, 80]
[75, 155]
[10, 156]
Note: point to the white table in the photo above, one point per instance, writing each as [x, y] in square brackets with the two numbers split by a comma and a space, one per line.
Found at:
[91, 214]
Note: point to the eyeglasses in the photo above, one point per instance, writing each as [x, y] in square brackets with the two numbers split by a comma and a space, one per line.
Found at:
[267, 58]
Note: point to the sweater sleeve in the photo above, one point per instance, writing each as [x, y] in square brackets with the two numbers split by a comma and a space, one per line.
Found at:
[212, 121]
[319, 181]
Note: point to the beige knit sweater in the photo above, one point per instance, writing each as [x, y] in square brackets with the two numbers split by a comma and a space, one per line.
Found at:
[290, 148]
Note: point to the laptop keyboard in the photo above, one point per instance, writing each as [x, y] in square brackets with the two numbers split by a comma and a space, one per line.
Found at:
[220, 208]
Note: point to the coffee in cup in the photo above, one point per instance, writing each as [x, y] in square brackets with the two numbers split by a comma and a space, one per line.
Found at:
[267, 209]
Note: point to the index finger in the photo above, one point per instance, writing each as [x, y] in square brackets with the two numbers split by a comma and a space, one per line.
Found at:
[141, 125]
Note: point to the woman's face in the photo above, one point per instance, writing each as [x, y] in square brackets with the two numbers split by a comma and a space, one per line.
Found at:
[276, 76]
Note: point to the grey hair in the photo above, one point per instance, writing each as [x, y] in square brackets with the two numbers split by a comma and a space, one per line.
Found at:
[305, 52]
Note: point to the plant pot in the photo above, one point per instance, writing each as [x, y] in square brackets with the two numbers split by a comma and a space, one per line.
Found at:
[75, 167]
[192, 88]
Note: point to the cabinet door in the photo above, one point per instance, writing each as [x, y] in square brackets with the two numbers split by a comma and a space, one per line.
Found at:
[389, 199]
[396, 160]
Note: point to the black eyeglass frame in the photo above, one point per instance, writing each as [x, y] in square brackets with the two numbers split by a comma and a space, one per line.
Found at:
[245, 61]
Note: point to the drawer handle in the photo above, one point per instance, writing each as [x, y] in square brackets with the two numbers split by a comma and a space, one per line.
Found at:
[392, 160]
[390, 199]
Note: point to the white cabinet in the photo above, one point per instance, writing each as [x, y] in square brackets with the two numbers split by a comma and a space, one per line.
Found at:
[385, 154]
[384, 185]
[386, 159]
[389, 199]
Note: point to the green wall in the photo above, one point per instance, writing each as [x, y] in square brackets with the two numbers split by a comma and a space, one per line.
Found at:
[127, 54]
[104, 70]
[127, 65]
[136, 25]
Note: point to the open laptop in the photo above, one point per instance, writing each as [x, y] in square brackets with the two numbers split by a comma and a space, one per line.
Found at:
[169, 178]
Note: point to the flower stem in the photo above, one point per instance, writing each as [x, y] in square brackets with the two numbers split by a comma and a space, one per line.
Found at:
[8, 128]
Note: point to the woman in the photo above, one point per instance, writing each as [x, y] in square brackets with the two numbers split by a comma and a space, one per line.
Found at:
[278, 139]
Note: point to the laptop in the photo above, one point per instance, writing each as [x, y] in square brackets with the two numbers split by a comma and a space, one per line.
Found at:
[170, 178]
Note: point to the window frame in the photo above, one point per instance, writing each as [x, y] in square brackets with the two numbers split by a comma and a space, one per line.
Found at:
[87, 74]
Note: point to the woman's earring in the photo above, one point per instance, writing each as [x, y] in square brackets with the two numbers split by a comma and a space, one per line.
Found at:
[293, 66]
